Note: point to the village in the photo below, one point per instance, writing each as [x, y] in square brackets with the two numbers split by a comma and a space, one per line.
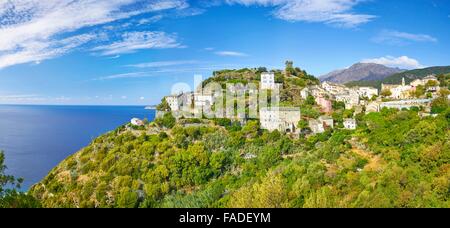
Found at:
[286, 119]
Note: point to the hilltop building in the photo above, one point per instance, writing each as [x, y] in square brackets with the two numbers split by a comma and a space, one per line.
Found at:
[280, 118]
[174, 102]
[268, 81]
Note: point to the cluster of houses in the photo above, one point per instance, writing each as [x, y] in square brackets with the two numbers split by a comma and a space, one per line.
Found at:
[403, 91]
[286, 119]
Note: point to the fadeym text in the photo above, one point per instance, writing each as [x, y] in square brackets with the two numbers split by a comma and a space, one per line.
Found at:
[246, 217]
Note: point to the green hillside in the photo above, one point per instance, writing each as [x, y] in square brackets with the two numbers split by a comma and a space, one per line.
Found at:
[394, 159]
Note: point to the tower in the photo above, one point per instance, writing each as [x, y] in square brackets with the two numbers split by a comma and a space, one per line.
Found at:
[403, 81]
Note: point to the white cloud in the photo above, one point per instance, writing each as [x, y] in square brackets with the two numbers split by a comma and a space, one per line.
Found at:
[124, 75]
[35, 30]
[335, 12]
[163, 64]
[231, 53]
[36, 51]
[150, 20]
[133, 41]
[402, 62]
[394, 37]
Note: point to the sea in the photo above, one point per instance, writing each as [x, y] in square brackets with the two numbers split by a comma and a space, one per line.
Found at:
[36, 138]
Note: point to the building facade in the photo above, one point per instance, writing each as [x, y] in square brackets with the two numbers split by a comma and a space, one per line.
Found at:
[350, 124]
[174, 102]
[368, 92]
[268, 80]
[280, 118]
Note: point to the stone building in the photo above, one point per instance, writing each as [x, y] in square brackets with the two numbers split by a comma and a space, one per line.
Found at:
[268, 80]
[282, 119]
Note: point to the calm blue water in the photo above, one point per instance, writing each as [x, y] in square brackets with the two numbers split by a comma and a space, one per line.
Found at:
[36, 138]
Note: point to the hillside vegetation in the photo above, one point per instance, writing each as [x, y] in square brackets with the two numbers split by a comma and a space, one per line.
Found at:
[394, 159]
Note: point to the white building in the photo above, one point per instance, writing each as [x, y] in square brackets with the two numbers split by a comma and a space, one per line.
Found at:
[350, 98]
[333, 88]
[201, 100]
[174, 102]
[268, 81]
[316, 126]
[350, 124]
[327, 121]
[136, 122]
[373, 107]
[317, 91]
[280, 118]
[398, 91]
[368, 92]
[305, 93]
[319, 125]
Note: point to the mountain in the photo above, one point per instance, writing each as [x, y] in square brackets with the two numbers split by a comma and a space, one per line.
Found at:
[409, 76]
[360, 72]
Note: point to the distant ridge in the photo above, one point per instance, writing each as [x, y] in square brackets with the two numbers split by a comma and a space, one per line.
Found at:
[360, 72]
[409, 76]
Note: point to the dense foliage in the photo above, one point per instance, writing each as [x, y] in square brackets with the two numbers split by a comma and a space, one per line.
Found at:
[394, 159]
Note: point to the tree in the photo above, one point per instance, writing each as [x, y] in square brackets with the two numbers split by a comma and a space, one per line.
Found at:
[439, 105]
[9, 196]
[127, 198]
[310, 100]
[386, 93]
[419, 92]
[251, 129]
[261, 69]
[163, 106]
[270, 193]
[431, 83]
[289, 68]
[338, 105]
[167, 121]
[303, 124]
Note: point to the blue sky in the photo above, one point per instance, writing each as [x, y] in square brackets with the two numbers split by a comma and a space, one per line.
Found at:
[121, 52]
